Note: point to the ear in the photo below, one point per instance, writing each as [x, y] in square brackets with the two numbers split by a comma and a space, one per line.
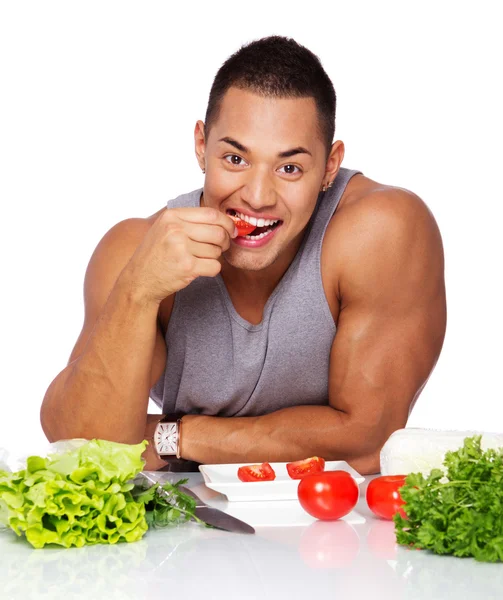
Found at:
[334, 161]
[200, 144]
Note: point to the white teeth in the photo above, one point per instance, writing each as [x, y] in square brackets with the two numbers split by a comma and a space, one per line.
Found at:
[258, 237]
[257, 222]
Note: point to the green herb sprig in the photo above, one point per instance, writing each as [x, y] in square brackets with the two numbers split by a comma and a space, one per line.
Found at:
[163, 510]
[459, 512]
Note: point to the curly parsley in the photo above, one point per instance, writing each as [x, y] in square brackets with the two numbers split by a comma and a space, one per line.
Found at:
[459, 512]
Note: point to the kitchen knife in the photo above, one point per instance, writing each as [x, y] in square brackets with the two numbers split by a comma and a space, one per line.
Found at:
[208, 514]
[216, 517]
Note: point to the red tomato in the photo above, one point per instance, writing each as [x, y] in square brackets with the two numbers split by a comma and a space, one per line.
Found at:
[383, 496]
[243, 227]
[328, 495]
[301, 468]
[263, 472]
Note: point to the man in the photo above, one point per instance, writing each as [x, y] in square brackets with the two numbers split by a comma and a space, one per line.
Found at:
[311, 332]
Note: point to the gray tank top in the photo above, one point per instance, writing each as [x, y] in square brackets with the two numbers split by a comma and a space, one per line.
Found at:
[220, 364]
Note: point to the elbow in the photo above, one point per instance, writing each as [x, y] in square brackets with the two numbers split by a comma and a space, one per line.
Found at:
[57, 426]
[364, 452]
[370, 438]
[50, 413]
[51, 424]
[46, 419]
[365, 435]
[366, 465]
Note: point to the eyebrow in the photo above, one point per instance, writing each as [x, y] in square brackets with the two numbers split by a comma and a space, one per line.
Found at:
[285, 154]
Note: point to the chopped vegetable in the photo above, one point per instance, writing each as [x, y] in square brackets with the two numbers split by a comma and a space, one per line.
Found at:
[263, 472]
[243, 227]
[301, 468]
[461, 513]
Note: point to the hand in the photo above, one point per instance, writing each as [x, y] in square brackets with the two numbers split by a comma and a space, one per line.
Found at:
[182, 244]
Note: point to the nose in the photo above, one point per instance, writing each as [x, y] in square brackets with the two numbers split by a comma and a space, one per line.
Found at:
[258, 191]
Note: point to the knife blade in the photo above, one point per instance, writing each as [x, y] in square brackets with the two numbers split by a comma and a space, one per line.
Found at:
[215, 516]
[210, 515]
[222, 520]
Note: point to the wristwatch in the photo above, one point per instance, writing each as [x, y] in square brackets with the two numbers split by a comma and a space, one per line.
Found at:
[167, 436]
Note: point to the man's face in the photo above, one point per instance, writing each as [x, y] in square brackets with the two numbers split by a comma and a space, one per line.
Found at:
[245, 174]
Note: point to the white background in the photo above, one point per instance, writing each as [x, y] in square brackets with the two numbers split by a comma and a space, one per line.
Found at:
[98, 104]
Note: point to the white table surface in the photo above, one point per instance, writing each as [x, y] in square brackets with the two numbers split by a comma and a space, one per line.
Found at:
[353, 558]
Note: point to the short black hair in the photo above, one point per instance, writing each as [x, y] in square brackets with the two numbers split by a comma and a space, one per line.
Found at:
[278, 67]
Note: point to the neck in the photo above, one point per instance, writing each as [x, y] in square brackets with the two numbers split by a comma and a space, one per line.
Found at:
[258, 285]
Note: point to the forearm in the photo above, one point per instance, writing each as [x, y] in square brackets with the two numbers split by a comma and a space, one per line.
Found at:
[104, 393]
[285, 435]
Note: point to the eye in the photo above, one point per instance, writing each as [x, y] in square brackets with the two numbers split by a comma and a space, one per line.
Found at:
[232, 156]
[292, 172]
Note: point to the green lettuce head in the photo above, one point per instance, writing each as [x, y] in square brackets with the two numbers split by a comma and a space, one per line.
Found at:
[76, 498]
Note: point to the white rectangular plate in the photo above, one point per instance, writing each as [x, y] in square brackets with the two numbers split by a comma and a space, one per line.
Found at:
[282, 513]
[224, 479]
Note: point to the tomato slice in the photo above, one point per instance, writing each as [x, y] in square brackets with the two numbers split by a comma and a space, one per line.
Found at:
[301, 468]
[383, 496]
[243, 227]
[263, 472]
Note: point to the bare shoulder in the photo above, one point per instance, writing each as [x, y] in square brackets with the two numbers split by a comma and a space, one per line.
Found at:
[372, 208]
[111, 255]
[119, 242]
[379, 233]
[130, 230]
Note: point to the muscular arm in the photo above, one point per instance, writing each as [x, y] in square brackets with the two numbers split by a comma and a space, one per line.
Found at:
[388, 253]
[104, 390]
[139, 264]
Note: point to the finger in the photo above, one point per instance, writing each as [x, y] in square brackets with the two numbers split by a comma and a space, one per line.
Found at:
[201, 250]
[206, 215]
[208, 234]
[207, 267]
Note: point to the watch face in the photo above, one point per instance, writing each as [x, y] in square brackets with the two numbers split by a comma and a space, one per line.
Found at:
[165, 438]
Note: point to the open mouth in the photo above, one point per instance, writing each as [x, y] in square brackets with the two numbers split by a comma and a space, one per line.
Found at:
[252, 228]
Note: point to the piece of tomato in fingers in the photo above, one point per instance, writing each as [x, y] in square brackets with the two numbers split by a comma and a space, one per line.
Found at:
[301, 468]
[243, 227]
[263, 472]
